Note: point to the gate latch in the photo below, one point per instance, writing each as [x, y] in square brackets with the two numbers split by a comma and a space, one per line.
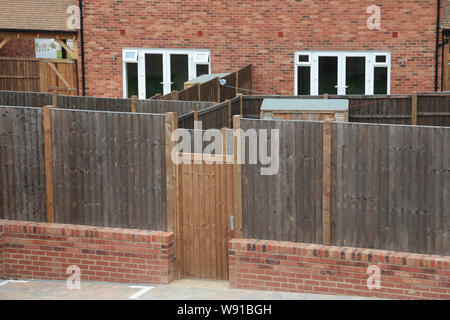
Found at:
[232, 223]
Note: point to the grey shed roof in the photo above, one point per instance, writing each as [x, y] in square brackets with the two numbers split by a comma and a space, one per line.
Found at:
[304, 105]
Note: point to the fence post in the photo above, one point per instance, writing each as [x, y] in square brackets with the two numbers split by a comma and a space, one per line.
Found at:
[55, 99]
[48, 163]
[229, 113]
[133, 104]
[414, 109]
[199, 88]
[224, 145]
[218, 90]
[237, 177]
[42, 76]
[326, 185]
[195, 119]
[236, 83]
[241, 106]
[173, 219]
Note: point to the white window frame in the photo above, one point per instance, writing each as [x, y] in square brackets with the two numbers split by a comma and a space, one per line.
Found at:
[166, 53]
[198, 60]
[135, 53]
[342, 55]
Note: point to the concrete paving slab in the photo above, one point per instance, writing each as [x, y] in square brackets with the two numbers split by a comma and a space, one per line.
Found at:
[177, 290]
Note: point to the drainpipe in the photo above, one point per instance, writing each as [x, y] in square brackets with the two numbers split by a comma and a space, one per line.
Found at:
[438, 28]
[83, 79]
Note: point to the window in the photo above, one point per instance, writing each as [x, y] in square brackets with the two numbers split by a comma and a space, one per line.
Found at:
[132, 80]
[202, 69]
[130, 55]
[342, 73]
[147, 72]
[201, 57]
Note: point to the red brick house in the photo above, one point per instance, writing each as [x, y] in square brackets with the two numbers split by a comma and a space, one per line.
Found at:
[296, 46]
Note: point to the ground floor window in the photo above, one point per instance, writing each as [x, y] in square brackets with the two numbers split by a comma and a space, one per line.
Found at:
[342, 73]
[148, 72]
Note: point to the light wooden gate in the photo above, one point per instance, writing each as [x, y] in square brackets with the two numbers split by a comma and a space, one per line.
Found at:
[206, 219]
[59, 75]
[39, 75]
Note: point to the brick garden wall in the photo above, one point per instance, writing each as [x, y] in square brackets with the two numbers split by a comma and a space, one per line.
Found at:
[264, 33]
[20, 48]
[1, 252]
[286, 266]
[44, 251]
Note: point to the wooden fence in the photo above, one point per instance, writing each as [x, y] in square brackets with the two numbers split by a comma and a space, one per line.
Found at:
[390, 187]
[353, 184]
[32, 99]
[286, 206]
[236, 83]
[109, 169]
[429, 109]
[214, 117]
[22, 172]
[358, 185]
[39, 75]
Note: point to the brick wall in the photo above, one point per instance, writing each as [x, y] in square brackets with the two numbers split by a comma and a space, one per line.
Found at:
[21, 48]
[1, 252]
[44, 251]
[242, 32]
[286, 266]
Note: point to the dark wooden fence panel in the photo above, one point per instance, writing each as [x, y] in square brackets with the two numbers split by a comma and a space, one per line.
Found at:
[286, 206]
[22, 171]
[215, 117]
[229, 90]
[163, 106]
[433, 110]
[20, 74]
[390, 187]
[245, 80]
[25, 99]
[190, 94]
[109, 169]
[384, 109]
[94, 104]
[210, 91]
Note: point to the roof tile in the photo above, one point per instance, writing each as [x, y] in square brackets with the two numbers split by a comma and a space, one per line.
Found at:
[46, 15]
